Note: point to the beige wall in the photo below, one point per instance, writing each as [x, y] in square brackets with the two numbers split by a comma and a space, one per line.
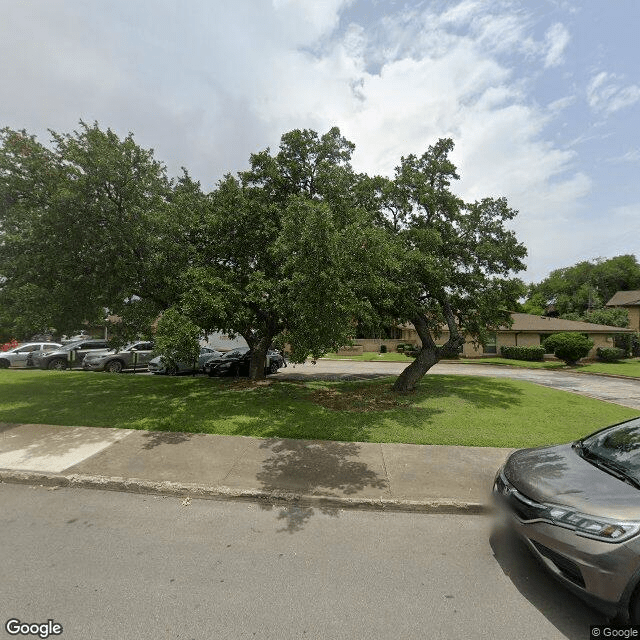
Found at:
[503, 339]
[634, 318]
[374, 343]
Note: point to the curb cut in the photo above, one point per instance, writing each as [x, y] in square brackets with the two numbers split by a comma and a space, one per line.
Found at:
[281, 498]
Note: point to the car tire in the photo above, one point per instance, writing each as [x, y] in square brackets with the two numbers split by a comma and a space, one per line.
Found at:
[172, 370]
[59, 364]
[4, 364]
[273, 367]
[115, 366]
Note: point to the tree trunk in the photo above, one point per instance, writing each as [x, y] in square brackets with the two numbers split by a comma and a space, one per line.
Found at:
[409, 378]
[258, 364]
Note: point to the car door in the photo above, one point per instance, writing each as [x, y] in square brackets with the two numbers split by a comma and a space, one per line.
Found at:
[19, 356]
[143, 353]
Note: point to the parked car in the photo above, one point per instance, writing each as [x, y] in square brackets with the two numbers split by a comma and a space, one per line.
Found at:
[158, 364]
[135, 355]
[70, 355]
[17, 357]
[237, 361]
[577, 507]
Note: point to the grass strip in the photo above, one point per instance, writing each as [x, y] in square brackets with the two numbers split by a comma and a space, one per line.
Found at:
[446, 410]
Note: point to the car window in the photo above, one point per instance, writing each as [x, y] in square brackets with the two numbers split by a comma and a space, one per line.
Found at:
[619, 444]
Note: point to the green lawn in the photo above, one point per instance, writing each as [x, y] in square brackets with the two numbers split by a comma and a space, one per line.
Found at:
[461, 410]
[629, 368]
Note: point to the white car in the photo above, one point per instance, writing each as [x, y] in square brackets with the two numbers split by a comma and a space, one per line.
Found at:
[17, 357]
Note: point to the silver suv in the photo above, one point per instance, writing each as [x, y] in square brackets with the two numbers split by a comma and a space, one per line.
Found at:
[17, 357]
[135, 355]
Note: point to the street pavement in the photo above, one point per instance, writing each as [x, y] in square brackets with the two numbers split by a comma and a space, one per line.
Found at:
[404, 477]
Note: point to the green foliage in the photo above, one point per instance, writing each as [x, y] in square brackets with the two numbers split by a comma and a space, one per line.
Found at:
[527, 353]
[453, 260]
[85, 227]
[610, 354]
[585, 286]
[177, 338]
[383, 348]
[610, 317]
[568, 346]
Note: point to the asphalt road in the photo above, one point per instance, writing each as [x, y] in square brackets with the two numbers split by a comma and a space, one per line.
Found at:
[119, 566]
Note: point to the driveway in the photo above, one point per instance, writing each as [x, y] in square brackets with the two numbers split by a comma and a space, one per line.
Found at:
[617, 390]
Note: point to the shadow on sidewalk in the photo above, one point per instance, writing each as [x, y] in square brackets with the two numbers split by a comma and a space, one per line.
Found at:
[318, 469]
[156, 438]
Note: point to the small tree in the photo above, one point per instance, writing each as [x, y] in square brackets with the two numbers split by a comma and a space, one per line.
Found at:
[569, 346]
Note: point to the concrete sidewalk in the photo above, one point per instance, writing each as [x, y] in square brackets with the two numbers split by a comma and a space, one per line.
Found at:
[341, 474]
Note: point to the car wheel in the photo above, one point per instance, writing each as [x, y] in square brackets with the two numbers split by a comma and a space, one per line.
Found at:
[59, 364]
[273, 367]
[115, 366]
[172, 370]
[4, 364]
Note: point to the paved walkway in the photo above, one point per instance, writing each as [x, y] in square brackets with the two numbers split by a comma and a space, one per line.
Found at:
[345, 474]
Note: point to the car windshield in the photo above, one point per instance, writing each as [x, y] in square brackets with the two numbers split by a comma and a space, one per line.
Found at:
[619, 446]
[235, 353]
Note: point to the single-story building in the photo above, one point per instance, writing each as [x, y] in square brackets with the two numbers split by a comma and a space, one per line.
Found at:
[526, 330]
[629, 300]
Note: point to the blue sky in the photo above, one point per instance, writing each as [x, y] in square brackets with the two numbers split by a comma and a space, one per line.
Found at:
[541, 98]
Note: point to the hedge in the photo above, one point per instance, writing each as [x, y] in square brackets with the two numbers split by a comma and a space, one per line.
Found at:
[610, 354]
[523, 353]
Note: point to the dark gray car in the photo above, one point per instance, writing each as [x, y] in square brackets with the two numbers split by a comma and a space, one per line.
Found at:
[577, 506]
[69, 356]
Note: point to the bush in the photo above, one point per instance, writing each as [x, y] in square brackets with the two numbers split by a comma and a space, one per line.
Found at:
[569, 346]
[523, 353]
[400, 347]
[383, 348]
[410, 350]
[610, 354]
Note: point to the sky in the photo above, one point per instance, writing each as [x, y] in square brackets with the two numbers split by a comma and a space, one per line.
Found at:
[541, 98]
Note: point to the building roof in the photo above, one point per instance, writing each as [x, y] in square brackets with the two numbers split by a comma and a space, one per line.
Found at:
[543, 324]
[625, 299]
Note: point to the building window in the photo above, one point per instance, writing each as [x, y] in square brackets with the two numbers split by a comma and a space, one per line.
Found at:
[491, 344]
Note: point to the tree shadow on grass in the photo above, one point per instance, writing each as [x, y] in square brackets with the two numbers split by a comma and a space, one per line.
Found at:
[319, 469]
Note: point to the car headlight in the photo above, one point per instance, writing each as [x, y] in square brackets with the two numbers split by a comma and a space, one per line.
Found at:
[585, 525]
[592, 526]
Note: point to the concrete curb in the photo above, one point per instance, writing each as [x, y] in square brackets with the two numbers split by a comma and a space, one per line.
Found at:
[282, 498]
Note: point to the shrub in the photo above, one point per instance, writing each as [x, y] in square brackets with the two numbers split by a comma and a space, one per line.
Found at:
[400, 347]
[523, 353]
[610, 354]
[383, 348]
[569, 346]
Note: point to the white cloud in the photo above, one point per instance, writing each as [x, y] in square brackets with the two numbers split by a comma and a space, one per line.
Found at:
[207, 83]
[605, 94]
[556, 38]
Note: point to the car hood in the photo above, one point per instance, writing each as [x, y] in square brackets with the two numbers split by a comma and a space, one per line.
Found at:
[559, 475]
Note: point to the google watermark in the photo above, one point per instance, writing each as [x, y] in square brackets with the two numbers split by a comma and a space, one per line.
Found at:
[15, 627]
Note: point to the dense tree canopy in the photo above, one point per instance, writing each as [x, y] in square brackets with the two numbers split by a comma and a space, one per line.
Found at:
[297, 248]
[456, 258]
[585, 286]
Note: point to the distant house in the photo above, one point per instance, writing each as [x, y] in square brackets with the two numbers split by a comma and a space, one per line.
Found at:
[629, 300]
[526, 330]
